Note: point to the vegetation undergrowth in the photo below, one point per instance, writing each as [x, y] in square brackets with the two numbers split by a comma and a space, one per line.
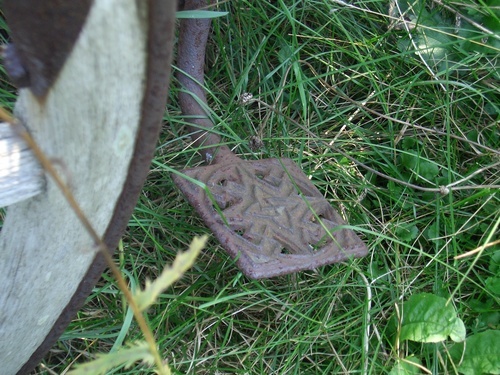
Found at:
[410, 90]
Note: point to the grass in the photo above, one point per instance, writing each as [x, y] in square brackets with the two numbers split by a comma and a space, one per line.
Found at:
[342, 73]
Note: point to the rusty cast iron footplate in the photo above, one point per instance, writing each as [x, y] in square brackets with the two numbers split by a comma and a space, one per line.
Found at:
[274, 220]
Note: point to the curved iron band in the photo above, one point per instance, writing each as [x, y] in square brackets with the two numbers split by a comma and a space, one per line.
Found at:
[160, 45]
[193, 36]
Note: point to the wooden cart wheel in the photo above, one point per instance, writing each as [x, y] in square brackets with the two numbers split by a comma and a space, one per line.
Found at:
[97, 77]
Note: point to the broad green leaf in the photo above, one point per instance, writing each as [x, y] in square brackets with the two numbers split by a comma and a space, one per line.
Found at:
[428, 170]
[481, 356]
[458, 331]
[481, 305]
[406, 367]
[493, 285]
[199, 14]
[407, 233]
[488, 319]
[408, 143]
[432, 232]
[410, 159]
[430, 48]
[495, 262]
[183, 261]
[427, 318]
[127, 356]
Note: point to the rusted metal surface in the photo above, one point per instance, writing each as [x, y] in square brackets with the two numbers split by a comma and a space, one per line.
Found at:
[269, 216]
[44, 32]
[265, 213]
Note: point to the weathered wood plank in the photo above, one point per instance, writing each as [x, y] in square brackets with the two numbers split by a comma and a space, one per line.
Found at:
[21, 176]
[100, 120]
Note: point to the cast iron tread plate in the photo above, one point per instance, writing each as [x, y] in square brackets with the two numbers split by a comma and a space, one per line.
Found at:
[269, 217]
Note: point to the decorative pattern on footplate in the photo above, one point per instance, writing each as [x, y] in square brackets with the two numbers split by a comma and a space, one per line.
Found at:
[269, 216]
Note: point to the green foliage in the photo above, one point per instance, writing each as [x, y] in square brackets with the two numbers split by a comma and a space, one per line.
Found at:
[488, 15]
[406, 367]
[429, 318]
[183, 261]
[138, 351]
[479, 355]
[442, 39]
[199, 14]
[406, 120]
[494, 265]
[144, 299]
[493, 285]
[407, 233]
